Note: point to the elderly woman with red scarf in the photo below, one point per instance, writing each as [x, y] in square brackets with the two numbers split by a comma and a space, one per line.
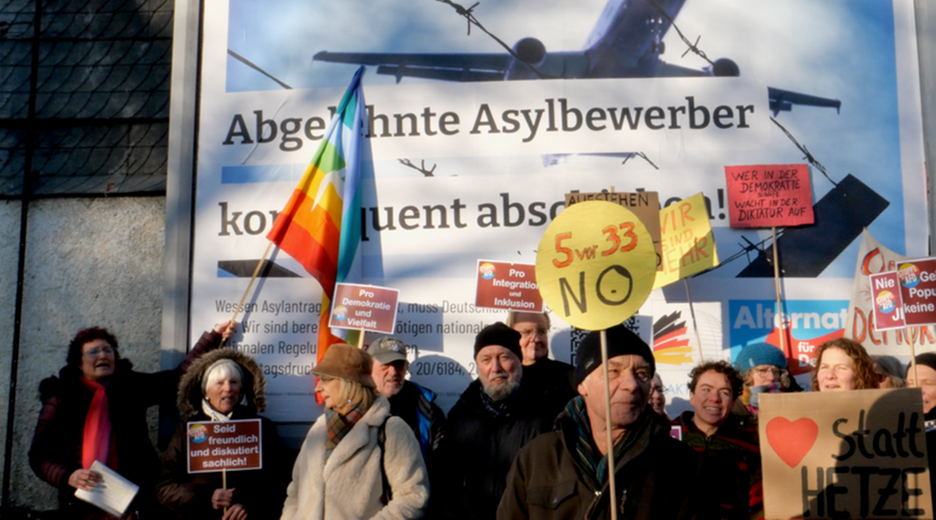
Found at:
[95, 410]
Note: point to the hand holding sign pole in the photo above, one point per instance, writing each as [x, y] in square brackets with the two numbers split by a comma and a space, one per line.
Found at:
[595, 266]
[770, 195]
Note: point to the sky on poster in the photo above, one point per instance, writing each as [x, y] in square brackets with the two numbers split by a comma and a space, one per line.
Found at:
[842, 49]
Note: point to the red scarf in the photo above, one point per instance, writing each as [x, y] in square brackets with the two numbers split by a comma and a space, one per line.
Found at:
[97, 428]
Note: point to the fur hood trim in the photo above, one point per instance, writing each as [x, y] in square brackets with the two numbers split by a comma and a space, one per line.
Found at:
[190, 387]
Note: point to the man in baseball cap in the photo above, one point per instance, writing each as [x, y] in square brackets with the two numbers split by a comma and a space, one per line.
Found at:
[655, 474]
[409, 401]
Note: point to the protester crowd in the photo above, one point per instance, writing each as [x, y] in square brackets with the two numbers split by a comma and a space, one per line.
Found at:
[529, 438]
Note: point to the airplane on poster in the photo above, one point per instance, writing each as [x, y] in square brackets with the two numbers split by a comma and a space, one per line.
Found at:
[626, 42]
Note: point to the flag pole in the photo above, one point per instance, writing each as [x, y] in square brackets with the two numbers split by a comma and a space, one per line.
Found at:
[607, 389]
[695, 325]
[776, 273]
[252, 279]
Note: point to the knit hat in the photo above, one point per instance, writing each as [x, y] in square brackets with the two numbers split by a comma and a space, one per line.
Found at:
[498, 334]
[386, 350]
[757, 354]
[346, 362]
[927, 359]
[621, 342]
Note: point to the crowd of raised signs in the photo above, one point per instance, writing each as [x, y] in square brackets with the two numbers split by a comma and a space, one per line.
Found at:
[529, 438]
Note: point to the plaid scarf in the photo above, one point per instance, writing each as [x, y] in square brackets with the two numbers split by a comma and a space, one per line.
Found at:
[339, 425]
[586, 454]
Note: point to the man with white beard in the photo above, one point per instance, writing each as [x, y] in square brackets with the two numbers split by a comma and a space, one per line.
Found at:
[495, 417]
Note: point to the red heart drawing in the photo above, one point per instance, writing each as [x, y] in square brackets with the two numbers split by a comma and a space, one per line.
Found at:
[792, 440]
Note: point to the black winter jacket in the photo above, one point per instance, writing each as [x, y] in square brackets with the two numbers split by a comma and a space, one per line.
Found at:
[479, 447]
[657, 479]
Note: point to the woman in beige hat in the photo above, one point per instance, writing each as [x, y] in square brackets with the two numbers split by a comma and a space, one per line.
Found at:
[357, 461]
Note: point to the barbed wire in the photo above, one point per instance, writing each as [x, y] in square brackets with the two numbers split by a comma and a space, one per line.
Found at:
[641, 155]
[468, 13]
[807, 155]
[691, 47]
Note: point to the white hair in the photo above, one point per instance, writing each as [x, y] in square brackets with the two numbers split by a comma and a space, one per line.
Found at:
[220, 370]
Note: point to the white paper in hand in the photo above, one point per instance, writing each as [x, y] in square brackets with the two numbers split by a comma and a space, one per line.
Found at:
[113, 492]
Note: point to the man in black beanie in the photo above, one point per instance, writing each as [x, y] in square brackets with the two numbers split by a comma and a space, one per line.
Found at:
[564, 474]
[495, 416]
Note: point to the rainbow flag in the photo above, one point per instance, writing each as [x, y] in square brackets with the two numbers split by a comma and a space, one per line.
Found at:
[320, 226]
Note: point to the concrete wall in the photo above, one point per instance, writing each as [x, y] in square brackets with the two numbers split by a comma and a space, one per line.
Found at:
[88, 262]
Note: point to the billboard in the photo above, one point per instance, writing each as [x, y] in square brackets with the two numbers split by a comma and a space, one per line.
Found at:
[476, 144]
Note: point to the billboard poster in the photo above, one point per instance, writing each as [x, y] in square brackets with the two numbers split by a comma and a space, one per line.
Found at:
[476, 145]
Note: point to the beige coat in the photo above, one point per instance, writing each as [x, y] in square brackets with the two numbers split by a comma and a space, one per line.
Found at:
[348, 485]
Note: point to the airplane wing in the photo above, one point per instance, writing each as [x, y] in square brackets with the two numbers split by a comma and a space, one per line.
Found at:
[445, 67]
[783, 100]
[468, 67]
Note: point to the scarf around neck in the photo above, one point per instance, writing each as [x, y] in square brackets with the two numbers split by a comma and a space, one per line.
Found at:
[338, 425]
[96, 438]
[213, 414]
[586, 454]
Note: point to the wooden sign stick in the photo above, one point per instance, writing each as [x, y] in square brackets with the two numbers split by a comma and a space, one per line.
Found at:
[224, 470]
[916, 378]
[695, 325]
[776, 274]
[607, 389]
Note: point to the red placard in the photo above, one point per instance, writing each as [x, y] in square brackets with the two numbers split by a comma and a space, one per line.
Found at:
[364, 307]
[918, 290]
[766, 195]
[512, 287]
[887, 303]
[230, 446]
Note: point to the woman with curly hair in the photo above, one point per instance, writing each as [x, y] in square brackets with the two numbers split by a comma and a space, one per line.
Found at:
[843, 364]
[95, 410]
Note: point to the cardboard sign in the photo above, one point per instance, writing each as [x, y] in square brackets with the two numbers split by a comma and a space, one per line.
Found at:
[644, 204]
[687, 242]
[364, 307]
[595, 265]
[918, 290]
[507, 286]
[765, 195]
[850, 454]
[888, 305]
[230, 446]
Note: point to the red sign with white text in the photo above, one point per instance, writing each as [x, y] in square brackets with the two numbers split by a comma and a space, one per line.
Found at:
[364, 307]
[767, 195]
[887, 303]
[918, 290]
[511, 287]
[229, 446]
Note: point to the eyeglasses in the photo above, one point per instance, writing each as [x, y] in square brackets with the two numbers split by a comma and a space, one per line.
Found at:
[95, 351]
[765, 371]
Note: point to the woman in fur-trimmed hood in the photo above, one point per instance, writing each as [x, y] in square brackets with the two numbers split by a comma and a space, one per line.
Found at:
[224, 385]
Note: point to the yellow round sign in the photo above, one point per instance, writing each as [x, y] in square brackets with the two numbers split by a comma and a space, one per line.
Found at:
[595, 265]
